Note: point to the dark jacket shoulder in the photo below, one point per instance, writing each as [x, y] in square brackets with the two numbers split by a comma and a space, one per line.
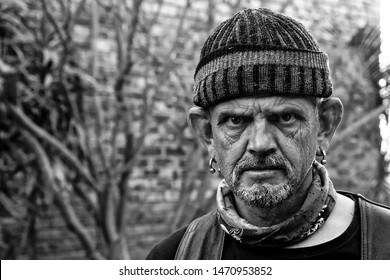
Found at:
[166, 249]
[375, 226]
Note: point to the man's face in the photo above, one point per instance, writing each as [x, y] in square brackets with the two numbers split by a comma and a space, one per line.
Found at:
[265, 146]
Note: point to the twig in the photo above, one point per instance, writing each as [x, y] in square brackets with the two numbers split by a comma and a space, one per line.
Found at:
[128, 61]
[98, 119]
[77, 13]
[67, 13]
[62, 4]
[149, 25]
[54, 23]
[9, 206]
[118, 36]
[179, 30]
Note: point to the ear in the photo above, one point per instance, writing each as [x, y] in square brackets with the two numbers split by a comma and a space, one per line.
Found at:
[199, 121]
[330, 114]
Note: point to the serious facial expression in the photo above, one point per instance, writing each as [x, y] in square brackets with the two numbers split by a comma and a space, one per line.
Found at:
[264, 146]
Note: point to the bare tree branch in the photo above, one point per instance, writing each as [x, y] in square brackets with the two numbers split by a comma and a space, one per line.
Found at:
[109, 211]
[122, 214]
[122, 112]
[342, 135]
[114, 135]
[76, 14]
[118, 36]
[128, 61]
[191, 173]
[26, 123]
[62, 4]
[161, 77]
[50, 16]
[67, 17]
[9, 205]
[180, 27]
[124, 69]
[79, 229]
[64, 204]
[98, 129]
[149, 25]
[98, 120]
[147, 107]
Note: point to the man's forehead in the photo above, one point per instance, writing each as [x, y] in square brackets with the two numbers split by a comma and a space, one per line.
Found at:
[269, 102]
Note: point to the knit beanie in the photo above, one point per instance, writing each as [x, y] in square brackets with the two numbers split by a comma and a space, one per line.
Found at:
[260, 52]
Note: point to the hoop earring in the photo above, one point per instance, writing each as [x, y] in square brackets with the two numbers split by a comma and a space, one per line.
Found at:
[211, 161]
[323, 154]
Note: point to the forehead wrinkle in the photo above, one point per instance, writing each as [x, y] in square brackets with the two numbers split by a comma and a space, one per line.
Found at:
[234, 106]
[301, 104]
[265, 104]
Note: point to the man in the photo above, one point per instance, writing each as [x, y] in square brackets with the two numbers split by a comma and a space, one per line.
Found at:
[263, 112]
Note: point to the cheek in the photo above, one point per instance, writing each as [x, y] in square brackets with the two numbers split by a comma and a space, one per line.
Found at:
[299, 147]
[228, 153]
[307, 142]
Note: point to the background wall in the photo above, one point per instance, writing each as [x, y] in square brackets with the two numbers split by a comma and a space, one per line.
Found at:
[128, 71]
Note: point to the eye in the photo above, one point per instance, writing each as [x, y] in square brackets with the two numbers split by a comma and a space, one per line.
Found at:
[287, 117]
[236, 120]
[283, 118]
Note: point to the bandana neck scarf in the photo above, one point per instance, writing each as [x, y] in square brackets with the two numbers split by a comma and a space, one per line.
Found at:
[316, 208]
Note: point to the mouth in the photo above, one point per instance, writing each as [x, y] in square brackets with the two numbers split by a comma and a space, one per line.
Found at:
[262, 169]
[261, 173]
[270, 176]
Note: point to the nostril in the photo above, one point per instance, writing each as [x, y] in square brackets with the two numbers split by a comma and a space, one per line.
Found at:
[262, 152]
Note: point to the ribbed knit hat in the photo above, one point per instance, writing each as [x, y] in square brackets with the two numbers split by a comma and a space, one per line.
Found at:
[260, 52]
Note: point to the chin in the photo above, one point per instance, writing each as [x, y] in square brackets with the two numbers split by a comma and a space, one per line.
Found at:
[263, 195]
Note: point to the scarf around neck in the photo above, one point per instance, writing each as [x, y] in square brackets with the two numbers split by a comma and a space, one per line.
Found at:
[318, 204]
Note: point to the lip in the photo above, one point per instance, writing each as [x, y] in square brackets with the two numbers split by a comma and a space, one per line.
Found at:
[259, 169]
[269, 172]
[262, 170]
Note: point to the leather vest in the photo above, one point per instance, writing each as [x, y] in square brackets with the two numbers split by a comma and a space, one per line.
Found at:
[204, 238]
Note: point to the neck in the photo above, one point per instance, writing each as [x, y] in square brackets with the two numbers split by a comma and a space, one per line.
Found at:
[269, 216]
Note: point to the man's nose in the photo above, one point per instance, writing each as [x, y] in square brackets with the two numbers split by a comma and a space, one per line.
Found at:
[261, 138]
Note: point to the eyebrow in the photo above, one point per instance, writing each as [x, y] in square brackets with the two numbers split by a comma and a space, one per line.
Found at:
[274, 109]
[225, 112]
[286, 107]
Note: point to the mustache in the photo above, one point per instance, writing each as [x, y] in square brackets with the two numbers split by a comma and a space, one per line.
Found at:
[264, 162]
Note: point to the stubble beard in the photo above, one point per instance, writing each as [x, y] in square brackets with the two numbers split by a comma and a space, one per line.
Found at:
[261, 193]
[264, 195]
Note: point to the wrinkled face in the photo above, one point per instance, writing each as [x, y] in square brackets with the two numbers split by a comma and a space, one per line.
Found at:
[265, 146]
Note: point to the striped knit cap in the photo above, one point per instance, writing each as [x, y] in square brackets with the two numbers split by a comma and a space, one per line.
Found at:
[260, 52]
